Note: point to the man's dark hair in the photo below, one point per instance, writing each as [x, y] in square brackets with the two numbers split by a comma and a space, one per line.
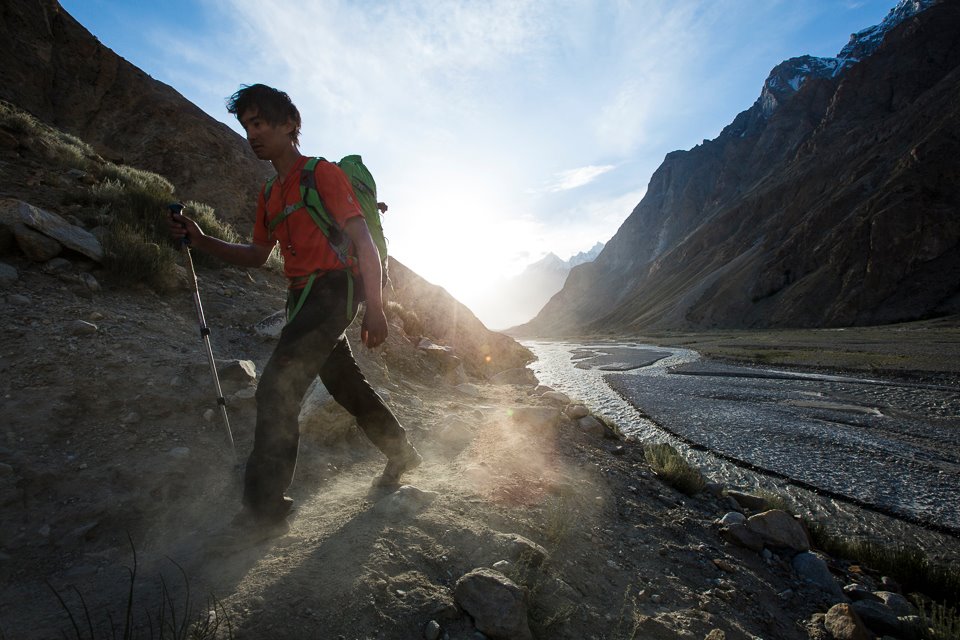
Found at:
[271, 104]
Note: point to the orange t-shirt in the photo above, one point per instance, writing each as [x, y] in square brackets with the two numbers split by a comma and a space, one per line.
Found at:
[304, 248]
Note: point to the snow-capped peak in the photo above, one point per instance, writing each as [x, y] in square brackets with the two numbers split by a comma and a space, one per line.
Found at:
[787, 77]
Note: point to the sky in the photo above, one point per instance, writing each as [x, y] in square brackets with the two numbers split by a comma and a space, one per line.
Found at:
[497, 131]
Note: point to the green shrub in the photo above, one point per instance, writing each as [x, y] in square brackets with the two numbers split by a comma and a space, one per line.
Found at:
[940, 622]
[131, 255]
[673, 469]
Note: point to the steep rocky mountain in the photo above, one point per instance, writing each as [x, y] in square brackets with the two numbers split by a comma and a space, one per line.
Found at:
[51, 66]
[831, 201]
[517, 299]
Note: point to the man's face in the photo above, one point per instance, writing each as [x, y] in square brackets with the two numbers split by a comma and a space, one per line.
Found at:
[267, 141]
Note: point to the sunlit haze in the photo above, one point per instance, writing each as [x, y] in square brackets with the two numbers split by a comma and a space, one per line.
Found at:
[497, 131]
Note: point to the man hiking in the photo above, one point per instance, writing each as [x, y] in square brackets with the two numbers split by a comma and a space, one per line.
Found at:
[312, 343]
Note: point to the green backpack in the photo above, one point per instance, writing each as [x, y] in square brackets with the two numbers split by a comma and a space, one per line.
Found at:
[365, 189]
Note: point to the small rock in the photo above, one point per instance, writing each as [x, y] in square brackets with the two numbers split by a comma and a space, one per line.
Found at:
[469, 389]
[889, 584]
[131, 418]
[733, 517]
[577, 411]
[19, 300]
[82, 328]
[238, 371]
[502, 565]
[432, 630]
[716, 634]
[407, 500]
[519, 376]
[44, 531]
[859, 592]
[896, 603]
[179, 453]
[8, 274]
[724, 565]
[843, 623]
[592, 426]
[557, 398]
[495, 603]
[208, 415]
[89, 281]
[57, 265]
[748, 500]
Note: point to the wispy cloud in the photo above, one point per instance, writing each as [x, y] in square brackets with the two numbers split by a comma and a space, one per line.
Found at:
[573, 178]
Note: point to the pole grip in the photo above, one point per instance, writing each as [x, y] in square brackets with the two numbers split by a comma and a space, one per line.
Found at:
[177, 208]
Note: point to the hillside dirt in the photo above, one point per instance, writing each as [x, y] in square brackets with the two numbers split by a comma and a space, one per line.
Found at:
[110, 464]
[107, 453]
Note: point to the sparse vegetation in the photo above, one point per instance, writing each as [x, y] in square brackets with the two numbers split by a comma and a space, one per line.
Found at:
[412, 324]
[167, 621]
[940, 622]
[673, 469]
[910, 566]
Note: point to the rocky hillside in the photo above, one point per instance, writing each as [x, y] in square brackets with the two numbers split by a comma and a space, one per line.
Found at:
[832, 201]
[51, 66]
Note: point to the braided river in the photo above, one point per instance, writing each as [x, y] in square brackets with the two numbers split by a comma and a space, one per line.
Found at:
[869, 458]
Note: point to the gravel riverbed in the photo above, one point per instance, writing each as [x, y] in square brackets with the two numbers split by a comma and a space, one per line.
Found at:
[873, 458]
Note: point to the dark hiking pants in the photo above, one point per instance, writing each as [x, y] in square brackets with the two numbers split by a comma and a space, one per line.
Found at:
[312, 344]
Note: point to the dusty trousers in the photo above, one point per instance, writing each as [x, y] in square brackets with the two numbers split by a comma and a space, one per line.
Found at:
[312, 344]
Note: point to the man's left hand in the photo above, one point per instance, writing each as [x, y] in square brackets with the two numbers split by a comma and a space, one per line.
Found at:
[373, 330]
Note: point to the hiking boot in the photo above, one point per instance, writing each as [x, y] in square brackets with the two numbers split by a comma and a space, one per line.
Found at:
[397, 466]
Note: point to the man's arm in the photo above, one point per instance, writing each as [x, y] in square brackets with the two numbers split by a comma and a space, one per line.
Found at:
[373, 331]
[243, 255]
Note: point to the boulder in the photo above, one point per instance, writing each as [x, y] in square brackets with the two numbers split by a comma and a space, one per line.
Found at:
[880, 618]
[779, 529]
[896, 603]
[455, 434]
[13, 212]
[495, 603]
[35, 245]
[813, 569]
[742, 536]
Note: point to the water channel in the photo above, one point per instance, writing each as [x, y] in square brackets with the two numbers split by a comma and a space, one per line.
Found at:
[876, 459]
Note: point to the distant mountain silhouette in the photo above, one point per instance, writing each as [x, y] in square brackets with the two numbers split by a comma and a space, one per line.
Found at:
[831, 201]
[518, 299]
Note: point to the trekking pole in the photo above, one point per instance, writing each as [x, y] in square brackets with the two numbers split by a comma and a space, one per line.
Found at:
[205, 333]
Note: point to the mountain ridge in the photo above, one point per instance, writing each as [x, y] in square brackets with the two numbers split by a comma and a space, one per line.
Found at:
[726, 231]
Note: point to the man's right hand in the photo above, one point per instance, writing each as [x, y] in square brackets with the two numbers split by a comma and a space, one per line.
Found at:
[183, 229]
